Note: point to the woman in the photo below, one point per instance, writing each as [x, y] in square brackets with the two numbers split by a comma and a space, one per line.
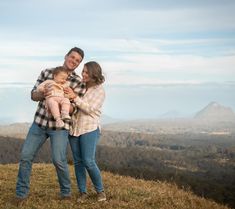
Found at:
[85, 131]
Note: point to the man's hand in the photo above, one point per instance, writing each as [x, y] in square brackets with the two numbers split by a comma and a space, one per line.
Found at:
[37, 96]
[48, 88]
[42, 93]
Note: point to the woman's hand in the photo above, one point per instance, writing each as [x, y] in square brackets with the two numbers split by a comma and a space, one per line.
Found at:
[70, 93]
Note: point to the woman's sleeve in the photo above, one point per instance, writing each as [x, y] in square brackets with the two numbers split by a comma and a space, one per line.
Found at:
[93, 103]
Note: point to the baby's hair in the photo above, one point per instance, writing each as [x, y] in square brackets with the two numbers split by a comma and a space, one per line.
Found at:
[58, 70]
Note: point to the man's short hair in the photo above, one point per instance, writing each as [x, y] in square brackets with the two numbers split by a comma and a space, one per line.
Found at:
[78, 50]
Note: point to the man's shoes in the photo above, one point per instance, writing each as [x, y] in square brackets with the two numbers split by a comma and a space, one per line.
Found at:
[82, 197]
[18, 201]
[101, 196]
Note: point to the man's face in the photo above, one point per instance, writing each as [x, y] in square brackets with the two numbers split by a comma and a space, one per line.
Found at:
[72, 61]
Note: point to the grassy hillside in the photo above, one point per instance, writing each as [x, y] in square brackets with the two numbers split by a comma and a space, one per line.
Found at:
[122, 192]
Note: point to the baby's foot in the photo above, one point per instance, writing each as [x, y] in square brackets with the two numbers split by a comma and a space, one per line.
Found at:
[66, 117]
[59, 123]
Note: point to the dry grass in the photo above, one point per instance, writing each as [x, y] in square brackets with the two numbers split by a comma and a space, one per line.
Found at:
[122, 192]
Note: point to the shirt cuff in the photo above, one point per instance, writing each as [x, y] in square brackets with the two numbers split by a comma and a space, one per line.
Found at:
[77, 101]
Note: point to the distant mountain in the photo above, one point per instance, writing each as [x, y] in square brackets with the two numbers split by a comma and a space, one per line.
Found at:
[212, 118]
[20, 129]
[173, 114]
[17, 130]
[216, 113]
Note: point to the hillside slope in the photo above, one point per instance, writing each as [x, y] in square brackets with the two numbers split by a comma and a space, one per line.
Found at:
[122, 192]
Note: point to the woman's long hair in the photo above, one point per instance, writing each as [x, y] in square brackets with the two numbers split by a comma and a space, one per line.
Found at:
[95, 72]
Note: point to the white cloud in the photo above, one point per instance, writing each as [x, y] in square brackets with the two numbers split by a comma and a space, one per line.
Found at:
[123, 60]
[28, 48]
[135, 51]
[114, 19]
[169, 68]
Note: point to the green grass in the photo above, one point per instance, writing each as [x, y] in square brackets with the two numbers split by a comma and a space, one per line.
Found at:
[122, 192]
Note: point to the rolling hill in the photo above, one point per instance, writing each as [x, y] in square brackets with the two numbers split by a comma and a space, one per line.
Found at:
[122, 192]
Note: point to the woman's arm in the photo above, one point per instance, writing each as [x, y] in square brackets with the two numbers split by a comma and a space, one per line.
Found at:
[92, 101]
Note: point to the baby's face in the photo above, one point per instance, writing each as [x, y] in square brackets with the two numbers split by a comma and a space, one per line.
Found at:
[61, 78]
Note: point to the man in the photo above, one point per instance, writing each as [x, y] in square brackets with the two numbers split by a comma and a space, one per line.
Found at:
[44, 126]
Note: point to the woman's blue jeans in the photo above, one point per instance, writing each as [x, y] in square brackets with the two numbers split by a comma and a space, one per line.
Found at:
[35, 139]
[83, 149]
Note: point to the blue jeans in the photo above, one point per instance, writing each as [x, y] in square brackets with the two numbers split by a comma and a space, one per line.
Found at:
[83, 149]
[36, 137]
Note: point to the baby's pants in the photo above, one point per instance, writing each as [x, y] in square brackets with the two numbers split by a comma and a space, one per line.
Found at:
[55, 104]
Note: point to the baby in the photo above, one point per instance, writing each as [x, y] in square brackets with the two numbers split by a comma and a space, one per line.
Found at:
[57, 101]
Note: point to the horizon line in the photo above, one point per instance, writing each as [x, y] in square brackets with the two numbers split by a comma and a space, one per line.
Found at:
[161, 83]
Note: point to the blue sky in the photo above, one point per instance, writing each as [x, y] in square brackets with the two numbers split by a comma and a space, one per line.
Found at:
[136, 42]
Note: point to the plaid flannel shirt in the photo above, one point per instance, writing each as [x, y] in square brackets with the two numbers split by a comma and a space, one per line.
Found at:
[87, 119]
[42, 117]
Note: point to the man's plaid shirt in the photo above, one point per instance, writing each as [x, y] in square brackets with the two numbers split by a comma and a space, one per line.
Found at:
[42, 117]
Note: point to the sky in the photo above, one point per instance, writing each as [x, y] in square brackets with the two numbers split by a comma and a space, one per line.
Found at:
[152, 45]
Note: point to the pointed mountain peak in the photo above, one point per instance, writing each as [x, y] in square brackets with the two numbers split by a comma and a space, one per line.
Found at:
[214, 104]
[215, 112]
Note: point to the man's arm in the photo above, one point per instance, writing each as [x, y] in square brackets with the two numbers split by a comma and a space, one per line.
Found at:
[40, 95]
[37, 96]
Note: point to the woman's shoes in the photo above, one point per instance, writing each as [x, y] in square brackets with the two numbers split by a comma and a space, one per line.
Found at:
[82, 197]
[101, 196]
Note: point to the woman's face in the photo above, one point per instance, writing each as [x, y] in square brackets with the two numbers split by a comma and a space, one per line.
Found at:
[85, 76]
